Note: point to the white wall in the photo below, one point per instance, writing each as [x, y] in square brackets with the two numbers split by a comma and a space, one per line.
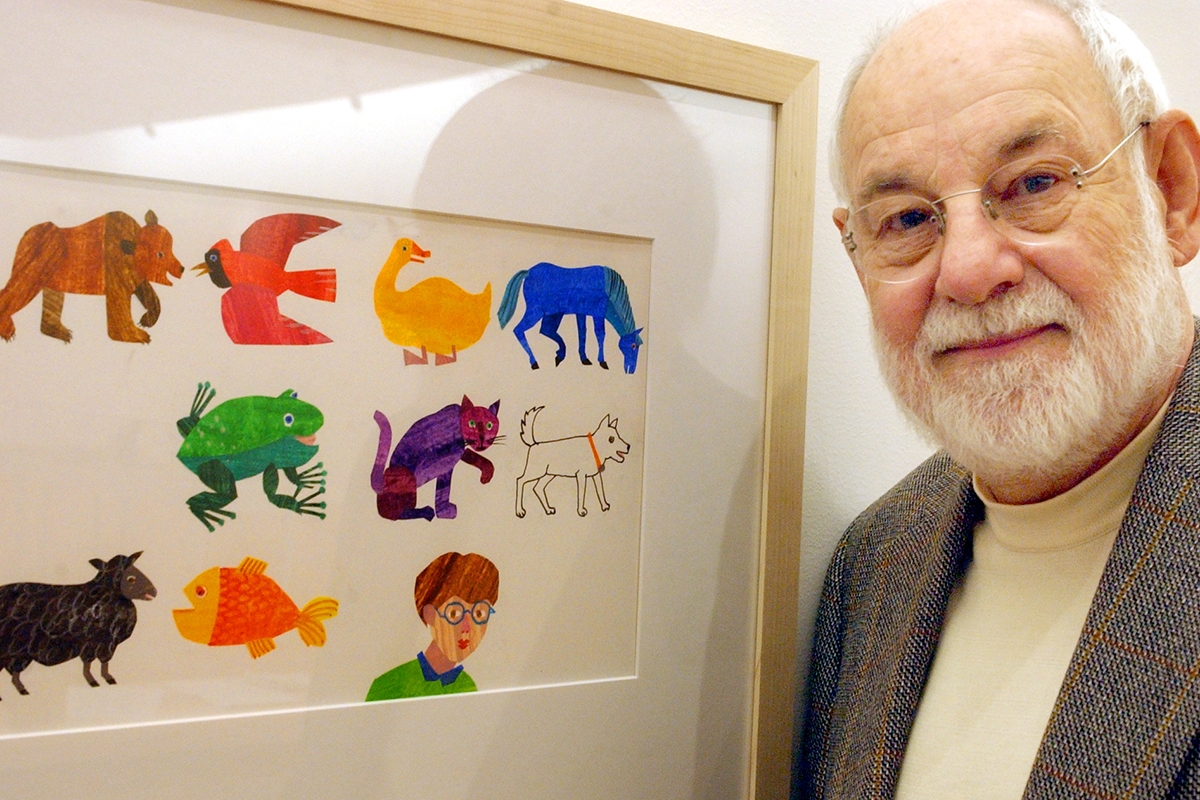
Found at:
[857, 444]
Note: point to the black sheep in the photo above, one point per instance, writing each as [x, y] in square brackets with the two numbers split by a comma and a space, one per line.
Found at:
[51, 624]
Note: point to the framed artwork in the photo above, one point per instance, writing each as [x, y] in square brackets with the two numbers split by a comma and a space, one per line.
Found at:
[357, 355]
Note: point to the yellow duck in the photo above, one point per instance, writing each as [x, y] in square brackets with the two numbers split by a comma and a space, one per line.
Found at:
[436, 315]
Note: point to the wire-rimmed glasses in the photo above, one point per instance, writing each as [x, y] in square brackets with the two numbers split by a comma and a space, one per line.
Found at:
[481, 611]
[1027, 200]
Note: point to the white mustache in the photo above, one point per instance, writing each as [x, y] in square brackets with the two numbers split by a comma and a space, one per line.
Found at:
[951, 325]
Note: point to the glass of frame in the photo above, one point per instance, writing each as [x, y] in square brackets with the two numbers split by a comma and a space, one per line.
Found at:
[651, 591]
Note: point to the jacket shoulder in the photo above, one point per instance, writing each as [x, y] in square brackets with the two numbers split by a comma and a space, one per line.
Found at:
[935, 496]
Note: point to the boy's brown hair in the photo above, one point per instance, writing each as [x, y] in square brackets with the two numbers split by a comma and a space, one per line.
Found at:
[470, 577]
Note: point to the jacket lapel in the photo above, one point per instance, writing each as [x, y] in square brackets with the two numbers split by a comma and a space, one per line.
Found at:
[1129, 706]
[894, 623]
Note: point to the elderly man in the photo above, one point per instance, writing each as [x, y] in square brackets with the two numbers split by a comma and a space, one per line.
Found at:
[1020, 616]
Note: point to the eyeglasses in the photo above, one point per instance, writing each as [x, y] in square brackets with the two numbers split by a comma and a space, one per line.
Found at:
[1027, 200]
[481, 612]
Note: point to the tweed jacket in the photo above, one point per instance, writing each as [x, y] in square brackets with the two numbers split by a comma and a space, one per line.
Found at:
[1126, 720]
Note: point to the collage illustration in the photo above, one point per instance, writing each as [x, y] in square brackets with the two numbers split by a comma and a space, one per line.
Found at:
[458, 378]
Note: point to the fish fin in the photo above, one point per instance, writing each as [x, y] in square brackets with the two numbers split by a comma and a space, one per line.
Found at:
[260, 647]
[309, 626]
[320, 608]
[252, 566]
[311, 631]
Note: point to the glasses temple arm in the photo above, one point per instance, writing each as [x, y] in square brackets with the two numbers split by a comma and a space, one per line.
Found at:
[1143, 124]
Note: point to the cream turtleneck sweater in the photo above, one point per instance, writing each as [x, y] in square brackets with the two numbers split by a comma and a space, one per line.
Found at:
[1011, 627]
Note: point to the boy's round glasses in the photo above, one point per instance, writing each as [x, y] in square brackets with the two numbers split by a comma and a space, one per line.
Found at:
[1027, 200]
[480, 612]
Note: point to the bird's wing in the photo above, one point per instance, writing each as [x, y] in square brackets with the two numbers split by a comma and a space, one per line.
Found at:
[273, 237]
[251, 315]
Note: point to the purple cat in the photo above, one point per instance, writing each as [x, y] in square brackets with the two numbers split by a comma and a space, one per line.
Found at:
[431, 448]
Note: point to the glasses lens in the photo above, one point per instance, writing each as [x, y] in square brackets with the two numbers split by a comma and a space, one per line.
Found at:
[454, 613]
[1032, 197]
[894, 233]
[481, 612]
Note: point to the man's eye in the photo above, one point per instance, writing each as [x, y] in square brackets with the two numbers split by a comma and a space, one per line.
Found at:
[1033, 183]
[904, 221]
[912, 218]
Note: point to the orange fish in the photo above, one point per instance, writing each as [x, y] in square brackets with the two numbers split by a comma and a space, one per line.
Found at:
[241, 605]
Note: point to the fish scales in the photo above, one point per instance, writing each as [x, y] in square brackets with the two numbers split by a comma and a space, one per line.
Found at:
[251, 607]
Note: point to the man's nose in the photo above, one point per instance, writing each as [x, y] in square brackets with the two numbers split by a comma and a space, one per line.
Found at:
[976, 262]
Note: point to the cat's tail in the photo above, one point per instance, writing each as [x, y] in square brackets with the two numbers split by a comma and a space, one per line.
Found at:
[509, 304]
[385, 444]
[527, 425]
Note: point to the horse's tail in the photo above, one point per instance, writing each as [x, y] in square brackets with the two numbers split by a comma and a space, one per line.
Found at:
[527, 426]
[385, 444]
[619, 313]
[509, 303]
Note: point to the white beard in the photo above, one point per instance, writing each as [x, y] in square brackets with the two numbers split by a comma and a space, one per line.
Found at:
[1041, 417]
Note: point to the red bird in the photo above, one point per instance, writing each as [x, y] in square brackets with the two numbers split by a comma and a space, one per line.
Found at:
[255, 277]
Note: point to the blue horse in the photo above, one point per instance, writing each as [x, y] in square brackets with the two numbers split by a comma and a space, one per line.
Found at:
[551, 292]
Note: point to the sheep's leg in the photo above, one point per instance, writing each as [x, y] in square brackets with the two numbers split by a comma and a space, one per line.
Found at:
[87, 673]
[15, 669]
[109, 679]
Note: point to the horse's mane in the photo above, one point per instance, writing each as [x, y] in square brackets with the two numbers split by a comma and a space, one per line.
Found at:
[619, 312]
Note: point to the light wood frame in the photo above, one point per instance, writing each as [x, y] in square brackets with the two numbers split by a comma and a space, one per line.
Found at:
[597, 38]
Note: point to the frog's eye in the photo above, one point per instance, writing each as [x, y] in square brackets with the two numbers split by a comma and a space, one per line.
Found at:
[294, 395]
[201, 591]
[288, 419]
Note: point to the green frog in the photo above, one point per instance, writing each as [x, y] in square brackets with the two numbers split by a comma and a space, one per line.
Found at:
[247, 436]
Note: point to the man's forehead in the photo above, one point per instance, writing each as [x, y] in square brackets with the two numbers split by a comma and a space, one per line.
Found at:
[955, 31]
[905, 162]
[985, 73]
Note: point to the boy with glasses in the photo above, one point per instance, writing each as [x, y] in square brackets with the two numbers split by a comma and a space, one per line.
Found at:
[455, 597]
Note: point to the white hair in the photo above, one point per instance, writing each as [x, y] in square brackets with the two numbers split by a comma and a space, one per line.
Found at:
[1135, 86]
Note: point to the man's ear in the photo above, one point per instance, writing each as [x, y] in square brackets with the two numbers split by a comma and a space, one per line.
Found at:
[428, 613]
[1173, 158]
[840, 215]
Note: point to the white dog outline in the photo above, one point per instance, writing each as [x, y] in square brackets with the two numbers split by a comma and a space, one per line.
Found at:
[580, 457]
